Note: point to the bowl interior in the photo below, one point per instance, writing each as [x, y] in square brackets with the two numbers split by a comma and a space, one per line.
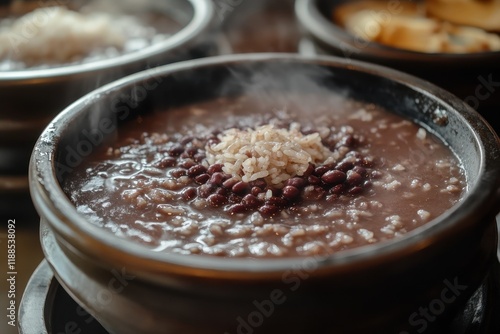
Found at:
[101, 113]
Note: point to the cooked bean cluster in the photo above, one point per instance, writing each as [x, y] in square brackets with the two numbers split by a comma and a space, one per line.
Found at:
[350, 177]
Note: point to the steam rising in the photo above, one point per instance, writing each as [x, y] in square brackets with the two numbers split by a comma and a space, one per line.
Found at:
[284, 83]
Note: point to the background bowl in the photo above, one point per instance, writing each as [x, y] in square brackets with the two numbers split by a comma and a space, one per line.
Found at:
[32, 97]
[474, 77]
[371, 289]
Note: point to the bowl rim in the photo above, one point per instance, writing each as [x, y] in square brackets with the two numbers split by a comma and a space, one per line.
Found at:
[75, 231]
[333, 36]
[203, 14]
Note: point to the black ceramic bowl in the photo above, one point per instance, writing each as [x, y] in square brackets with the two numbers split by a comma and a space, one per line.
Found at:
[32, 97]
[373, 289]
[474, 77]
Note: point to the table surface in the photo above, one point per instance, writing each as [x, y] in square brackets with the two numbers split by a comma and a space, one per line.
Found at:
[250, 34]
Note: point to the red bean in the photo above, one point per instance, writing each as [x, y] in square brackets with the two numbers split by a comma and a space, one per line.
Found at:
[330, 142]
[268, 210]
[205, 190]
[216, 179]
[333, 177]
[167, 162]
[240, 187]
[188, 193]
[337, 189]
[291, 192]
[320, 170]
[360, 170]
[215, 168]
[191, 151]
[355, 190]
[348, 141]
[187, 163]
[176, 150]
[202, 179]
[222, 191]
[229, 183]
[311, 179]
[178, 172]
[258, 183]
[196, 170]
[309, 170]
[354, 178]
[344, 166]
[255, 191]
[296, 182]
[276, 201]
[217, 200]
[199, 157]
[234, 199]
[250, 201]
[237, 208]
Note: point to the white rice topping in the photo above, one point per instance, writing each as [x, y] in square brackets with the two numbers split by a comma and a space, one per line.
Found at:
[267, 152]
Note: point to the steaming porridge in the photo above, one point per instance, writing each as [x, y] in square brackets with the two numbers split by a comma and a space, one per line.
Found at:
[245, 177]
[55, 36]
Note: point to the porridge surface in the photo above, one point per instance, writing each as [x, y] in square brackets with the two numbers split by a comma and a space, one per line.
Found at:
[160, 183]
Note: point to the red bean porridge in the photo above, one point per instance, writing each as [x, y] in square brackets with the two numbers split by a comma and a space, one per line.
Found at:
[245, 177]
